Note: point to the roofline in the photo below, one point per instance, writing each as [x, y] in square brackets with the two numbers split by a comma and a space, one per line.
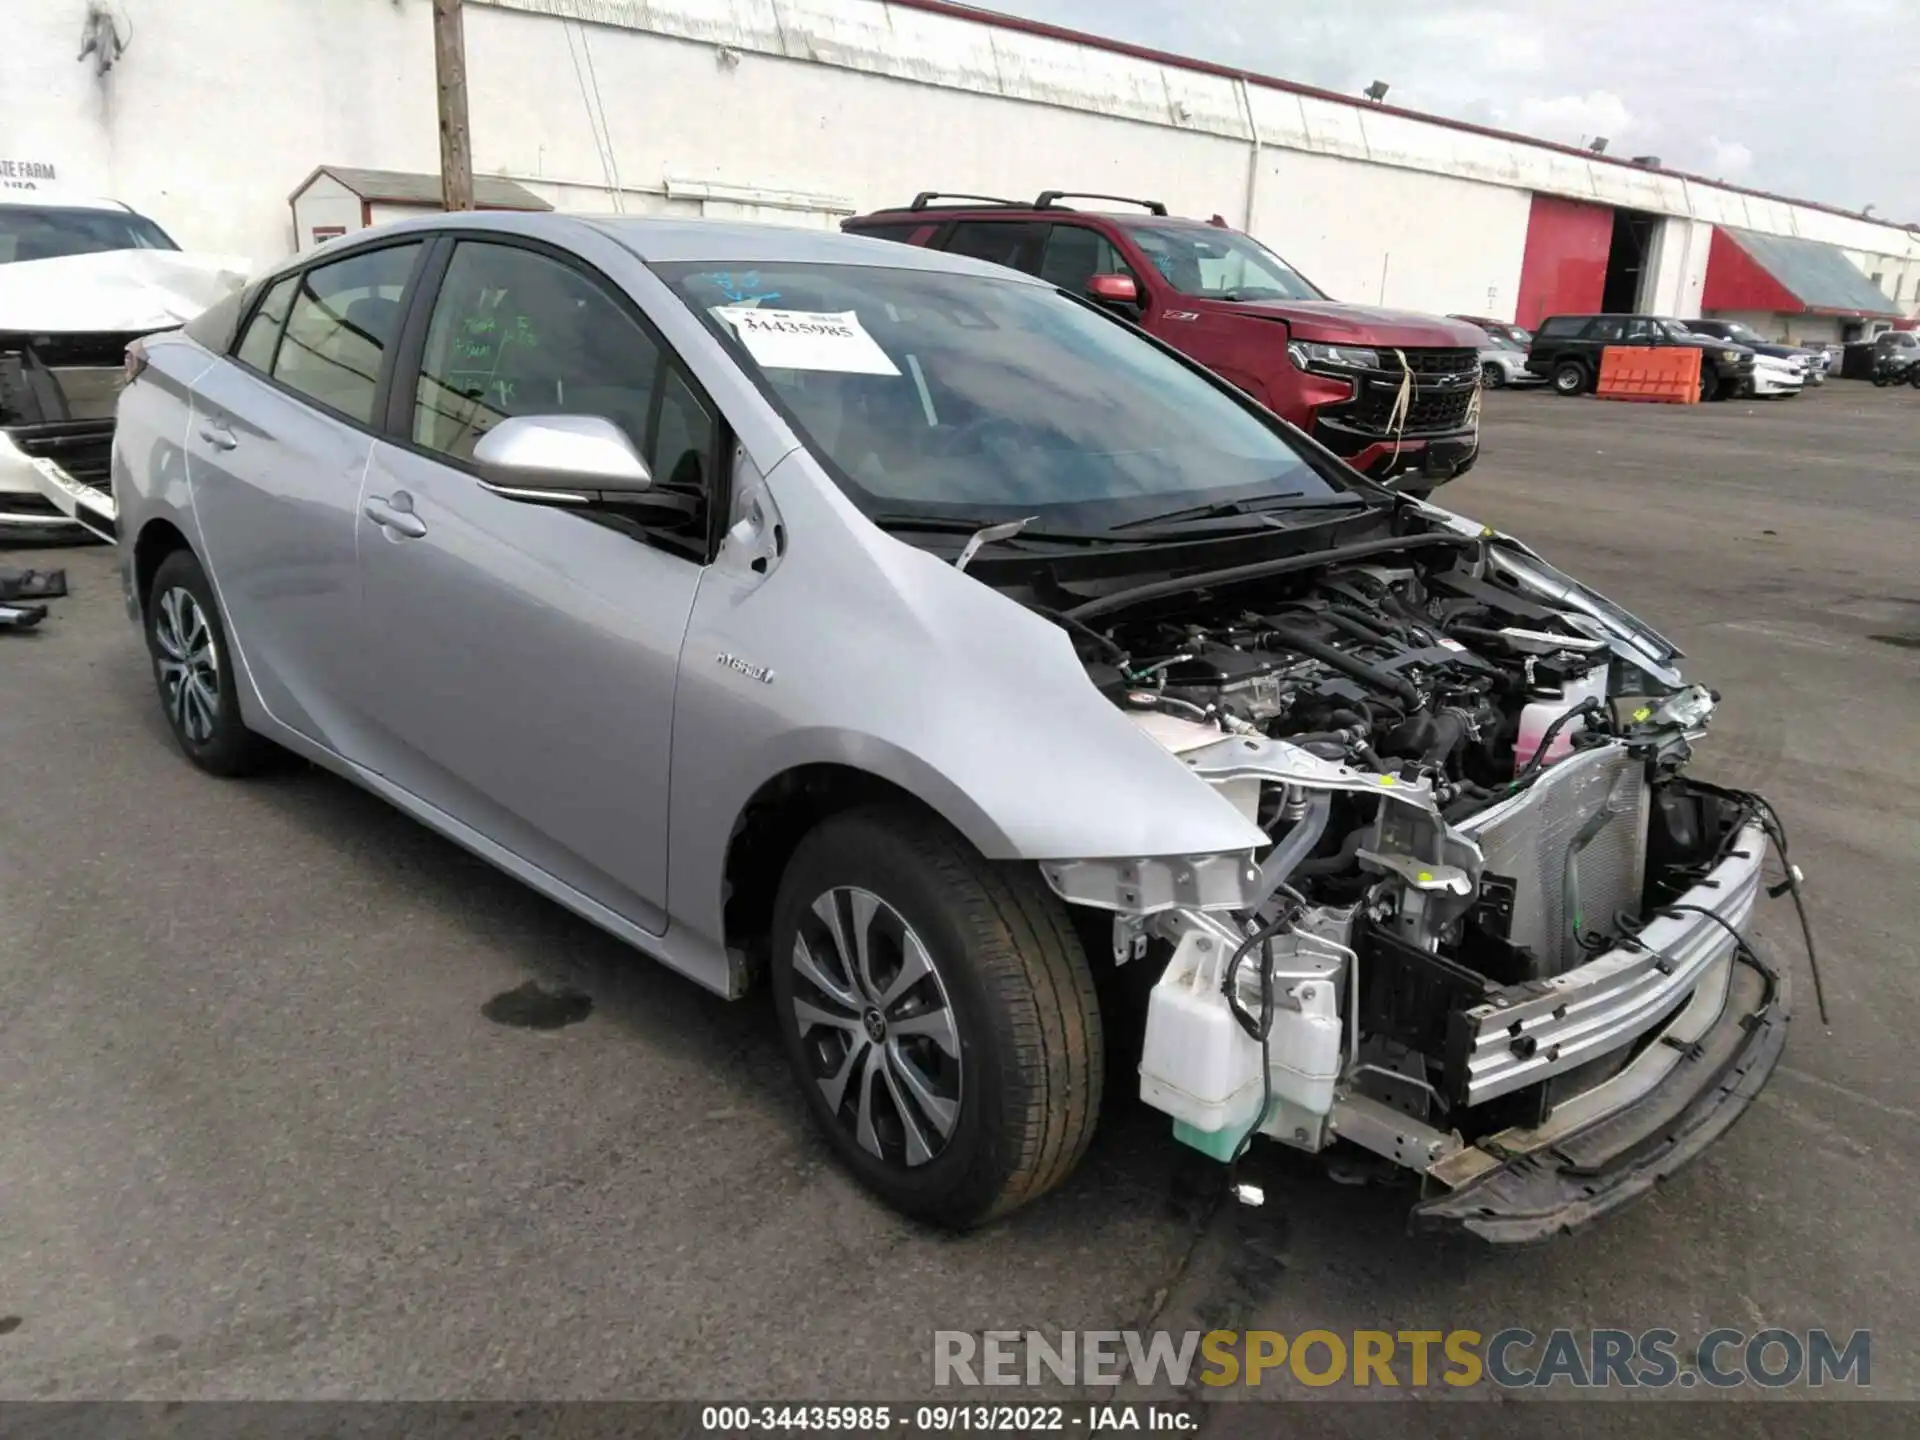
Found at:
[999, 21]
[329, 170]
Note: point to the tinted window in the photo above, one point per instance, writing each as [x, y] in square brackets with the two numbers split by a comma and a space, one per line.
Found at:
[1644, 330]
[960, 396]
[1075, 254]
[36, 233]
[1219, 264]
[1004, 242]
[1559, 327]
[515, 332]
[683, 446]
[263, 331]
[1605, 328]
[903, 230]
[344, 316]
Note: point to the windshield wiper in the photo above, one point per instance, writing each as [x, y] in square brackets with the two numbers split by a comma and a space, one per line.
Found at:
[1258, 505]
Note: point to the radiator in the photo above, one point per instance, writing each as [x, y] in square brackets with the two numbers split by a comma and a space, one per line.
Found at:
[1575, 840]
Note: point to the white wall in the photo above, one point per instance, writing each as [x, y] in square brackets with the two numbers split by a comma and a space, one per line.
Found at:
[803, 110]
[1377, 235]
[1677, 267]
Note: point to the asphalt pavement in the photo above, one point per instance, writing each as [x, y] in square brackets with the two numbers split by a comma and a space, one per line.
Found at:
[266, 1132]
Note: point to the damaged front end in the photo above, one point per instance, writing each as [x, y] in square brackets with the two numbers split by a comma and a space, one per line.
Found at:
[57, 399]
[66, 327]
[1498, 938]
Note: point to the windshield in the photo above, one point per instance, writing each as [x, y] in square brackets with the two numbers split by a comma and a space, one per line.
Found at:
[44, 234]
[962, 396]
[1218, 264]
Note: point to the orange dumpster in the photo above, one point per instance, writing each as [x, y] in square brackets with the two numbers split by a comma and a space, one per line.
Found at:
[1664, 374]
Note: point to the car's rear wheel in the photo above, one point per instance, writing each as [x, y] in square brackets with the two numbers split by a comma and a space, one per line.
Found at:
[193, 668]
[938, 1013]
[1492, 376]
[1570, 377]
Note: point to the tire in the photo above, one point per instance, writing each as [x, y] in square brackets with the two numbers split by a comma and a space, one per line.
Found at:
[1005, 986]
[187, 640]
[1571, 377]
[1492, 377]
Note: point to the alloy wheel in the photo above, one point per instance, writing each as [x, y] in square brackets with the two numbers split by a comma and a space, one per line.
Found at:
[189, 662]
[877, 1026]
[1492, 376]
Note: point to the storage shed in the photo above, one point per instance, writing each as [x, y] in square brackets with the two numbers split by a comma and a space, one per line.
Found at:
[337, 199]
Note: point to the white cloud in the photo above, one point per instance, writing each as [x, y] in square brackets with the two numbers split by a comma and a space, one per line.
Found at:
[1574, 119]
[1729, 159]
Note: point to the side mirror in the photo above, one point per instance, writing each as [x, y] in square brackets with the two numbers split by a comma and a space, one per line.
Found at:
[1114, 290]
[575, 461]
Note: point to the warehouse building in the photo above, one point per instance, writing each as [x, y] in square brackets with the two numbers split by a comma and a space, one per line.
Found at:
[805, 111]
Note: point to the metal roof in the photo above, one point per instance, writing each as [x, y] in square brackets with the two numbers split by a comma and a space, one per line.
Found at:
[405, 187]
[1819, 276]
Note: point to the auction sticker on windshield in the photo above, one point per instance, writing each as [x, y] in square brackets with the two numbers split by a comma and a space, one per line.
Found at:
[807, 340]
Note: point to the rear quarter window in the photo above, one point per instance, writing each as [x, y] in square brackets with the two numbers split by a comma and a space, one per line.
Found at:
[1561, 327]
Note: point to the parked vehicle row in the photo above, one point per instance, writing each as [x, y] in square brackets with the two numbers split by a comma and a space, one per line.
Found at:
[1567, 350]
[916, 643]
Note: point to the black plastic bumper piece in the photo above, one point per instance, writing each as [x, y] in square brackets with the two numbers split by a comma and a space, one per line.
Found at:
[1623, 1155]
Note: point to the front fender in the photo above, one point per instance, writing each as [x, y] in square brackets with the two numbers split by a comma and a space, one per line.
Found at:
[860, 650]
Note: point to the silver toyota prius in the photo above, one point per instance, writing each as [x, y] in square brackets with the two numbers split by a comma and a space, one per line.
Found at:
[1011, 698]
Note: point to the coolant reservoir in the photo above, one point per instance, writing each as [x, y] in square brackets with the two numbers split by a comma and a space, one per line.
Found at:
[1201, 1068]
[1540, 714]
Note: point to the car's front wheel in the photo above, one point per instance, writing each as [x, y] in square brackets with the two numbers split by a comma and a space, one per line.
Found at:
[939, 1015]
[1492, 376]
[193, 668]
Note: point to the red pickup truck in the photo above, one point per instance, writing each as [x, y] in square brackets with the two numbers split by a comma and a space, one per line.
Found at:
[1392, 392]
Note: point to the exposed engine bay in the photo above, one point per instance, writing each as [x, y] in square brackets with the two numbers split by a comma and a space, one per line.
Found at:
[1491, 892]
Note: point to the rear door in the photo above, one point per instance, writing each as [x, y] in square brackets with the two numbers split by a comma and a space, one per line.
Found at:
[277, 448]
[521, 660]
[1016, 244]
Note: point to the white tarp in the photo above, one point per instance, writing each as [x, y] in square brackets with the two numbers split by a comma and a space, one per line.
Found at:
[118, 290]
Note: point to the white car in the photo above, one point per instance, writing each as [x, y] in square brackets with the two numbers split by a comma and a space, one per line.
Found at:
[80, 280]
[1775, 376]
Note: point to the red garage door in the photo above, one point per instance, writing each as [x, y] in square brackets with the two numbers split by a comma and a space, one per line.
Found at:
[1565, 267]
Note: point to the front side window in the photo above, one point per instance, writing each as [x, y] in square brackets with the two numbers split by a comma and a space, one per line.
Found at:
[344, 317]
[1607, 327]
[47, 233]
[958, 396]
[1647, 330]
[1075, 254]
[516, 332]
[1217, 264]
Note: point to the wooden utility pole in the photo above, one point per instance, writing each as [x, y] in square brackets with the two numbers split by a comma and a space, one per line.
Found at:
[450, 68]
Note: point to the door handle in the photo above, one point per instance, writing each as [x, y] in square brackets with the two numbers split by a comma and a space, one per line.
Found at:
[388, 516]
[217, 434]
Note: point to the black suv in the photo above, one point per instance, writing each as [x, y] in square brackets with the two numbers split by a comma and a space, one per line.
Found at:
[1566, 350]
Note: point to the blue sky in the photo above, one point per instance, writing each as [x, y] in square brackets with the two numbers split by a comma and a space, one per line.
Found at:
[1818, 99]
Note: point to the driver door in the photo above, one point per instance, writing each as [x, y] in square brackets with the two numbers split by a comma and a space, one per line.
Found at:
[523, 658]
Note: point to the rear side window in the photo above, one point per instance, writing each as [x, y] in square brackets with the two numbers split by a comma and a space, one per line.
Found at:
[892, 230]
[344, 317]
[1012, 243]
[1605, 328]
[1561, 327]
[263, 330]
